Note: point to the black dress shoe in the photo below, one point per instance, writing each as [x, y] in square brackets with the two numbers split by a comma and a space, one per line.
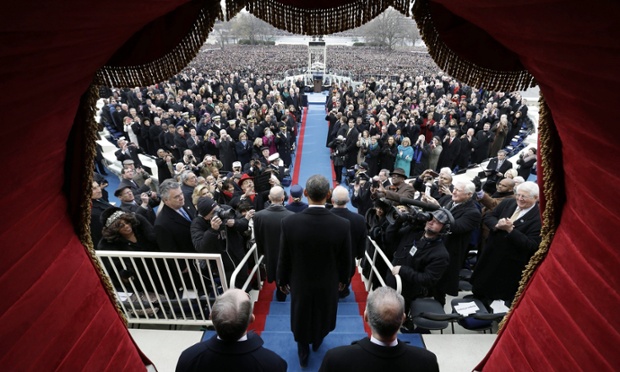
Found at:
[303, 351]
[316, 345]
[344, 293]
[280, 296]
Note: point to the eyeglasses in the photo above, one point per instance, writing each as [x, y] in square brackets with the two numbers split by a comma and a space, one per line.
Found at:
[521, 196]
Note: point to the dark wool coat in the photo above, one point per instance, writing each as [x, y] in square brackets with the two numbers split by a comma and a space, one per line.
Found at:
[501, 263]
[363, 355]
[218, 355]
[467, 218]
[314, 257]
[267, 227]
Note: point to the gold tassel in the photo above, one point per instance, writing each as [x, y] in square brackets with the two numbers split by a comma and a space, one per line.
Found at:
[170, 64]
[550, 148]
[321, 21]
[465, 71]
[89, 133]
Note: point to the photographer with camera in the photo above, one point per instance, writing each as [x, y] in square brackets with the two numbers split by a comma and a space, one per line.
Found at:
[437, 189]
[165, 165]
[207, 164]
[398, 189]
[218, 229]
[467, 218]
[338, 155]
[128, 151]
[420, 258]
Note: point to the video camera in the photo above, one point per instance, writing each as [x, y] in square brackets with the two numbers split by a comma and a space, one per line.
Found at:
[416, 213]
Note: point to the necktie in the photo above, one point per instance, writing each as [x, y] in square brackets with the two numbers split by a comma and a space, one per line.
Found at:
[185, 214]
[514, 216]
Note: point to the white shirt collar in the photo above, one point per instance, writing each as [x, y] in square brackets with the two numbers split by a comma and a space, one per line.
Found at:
[522, 212]
[243, 338]
[381, 343]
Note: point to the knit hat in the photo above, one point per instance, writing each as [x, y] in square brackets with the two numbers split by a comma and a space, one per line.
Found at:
[206, 205]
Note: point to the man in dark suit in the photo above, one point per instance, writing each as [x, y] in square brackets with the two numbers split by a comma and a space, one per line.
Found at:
[129, 204]
[98, 206]
[359, 232]
[495, 171]
[481, 143]
[128, 151]
[267, 227]
[385, 312]
[314, 265]
[233, 348]
[451, 150]
[172, 226]
[351, 135]
[515, 235]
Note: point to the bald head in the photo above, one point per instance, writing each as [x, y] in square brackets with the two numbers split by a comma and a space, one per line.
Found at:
[506, 185]
[276, 195]
[340, 197]
[385, 312]
[231, 314]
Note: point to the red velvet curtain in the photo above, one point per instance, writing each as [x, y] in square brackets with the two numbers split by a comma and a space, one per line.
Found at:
[566, 318]
[54, 312]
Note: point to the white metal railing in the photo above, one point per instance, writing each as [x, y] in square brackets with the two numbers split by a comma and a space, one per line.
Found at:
[165, 288]
[374, 271]
[255, 269]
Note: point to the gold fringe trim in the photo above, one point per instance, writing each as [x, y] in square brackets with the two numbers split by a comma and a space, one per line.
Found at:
[169, 65]
[89, 133]
[317, 21]
[550, 148]
[462, 70]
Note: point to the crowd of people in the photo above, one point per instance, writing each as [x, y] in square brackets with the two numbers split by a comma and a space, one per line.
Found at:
[224, 137]
[279, 61]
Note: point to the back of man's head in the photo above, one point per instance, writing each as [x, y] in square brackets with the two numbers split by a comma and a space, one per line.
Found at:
[340, 197]
[385, 312]
[276, 195]
[231, 314]
[317, 188]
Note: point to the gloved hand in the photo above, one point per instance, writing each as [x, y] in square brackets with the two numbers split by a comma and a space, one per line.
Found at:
[477, 183]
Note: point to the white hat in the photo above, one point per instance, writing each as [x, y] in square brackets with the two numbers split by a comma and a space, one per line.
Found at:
[237, 164]
[273, 156]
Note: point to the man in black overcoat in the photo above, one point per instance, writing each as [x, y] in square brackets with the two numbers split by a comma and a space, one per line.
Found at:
[451, 150]
[172, 226]
[351, 135]
[314, 265]
[233, 348]
[495, 171]
[98, 205]
[382, 351]
[267, 227]
[515, 236]
[359, 231]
